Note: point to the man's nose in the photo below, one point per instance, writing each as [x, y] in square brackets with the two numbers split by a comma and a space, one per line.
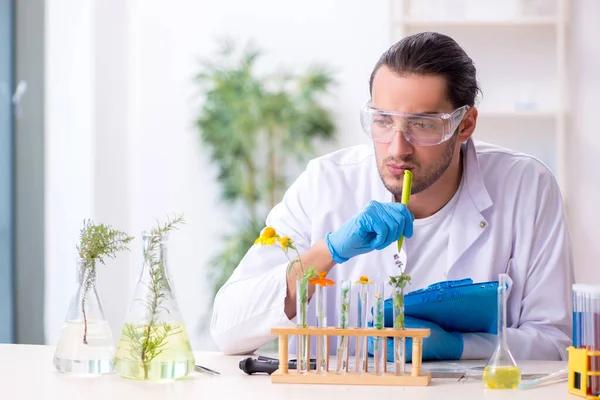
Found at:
[399, 146]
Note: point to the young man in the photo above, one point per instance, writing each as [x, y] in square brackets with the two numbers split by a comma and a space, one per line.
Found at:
[476, 211]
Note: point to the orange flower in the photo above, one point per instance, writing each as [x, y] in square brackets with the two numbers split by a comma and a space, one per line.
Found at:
[321, 280]
[364, 280]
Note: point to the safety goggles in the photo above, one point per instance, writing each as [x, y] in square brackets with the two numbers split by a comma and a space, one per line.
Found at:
[417, 129]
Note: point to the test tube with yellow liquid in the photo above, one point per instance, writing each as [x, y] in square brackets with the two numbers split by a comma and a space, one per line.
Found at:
[501, 371]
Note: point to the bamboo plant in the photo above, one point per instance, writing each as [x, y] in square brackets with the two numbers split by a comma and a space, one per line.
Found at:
[259, 129]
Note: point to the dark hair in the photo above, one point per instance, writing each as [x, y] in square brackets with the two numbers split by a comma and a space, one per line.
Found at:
[432, 53]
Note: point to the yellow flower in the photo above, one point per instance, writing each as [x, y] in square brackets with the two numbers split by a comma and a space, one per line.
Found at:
[267, 237]
[269, 232]
[364, 280]
[265, 241]
[285, 242]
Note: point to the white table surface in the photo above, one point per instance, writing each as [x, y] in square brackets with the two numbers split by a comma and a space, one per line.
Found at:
[27, 372]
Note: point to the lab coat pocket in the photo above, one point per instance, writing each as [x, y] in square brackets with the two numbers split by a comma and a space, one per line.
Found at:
[515, 293]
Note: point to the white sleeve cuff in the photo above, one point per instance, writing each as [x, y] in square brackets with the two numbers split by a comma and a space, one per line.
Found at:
[241, 325]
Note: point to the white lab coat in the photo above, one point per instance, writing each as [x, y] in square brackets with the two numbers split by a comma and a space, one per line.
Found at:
[509, 218]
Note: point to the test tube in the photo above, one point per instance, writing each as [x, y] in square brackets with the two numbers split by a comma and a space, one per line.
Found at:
[586, 329]
[344, 319]
[362, 344]
[379, 356]
[594, 323]
[587, 310]
[322, 341]
[576, 317]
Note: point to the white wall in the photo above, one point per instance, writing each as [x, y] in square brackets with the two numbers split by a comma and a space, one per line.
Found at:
[121, 107]
[146, 160]
[112, 149]
[583, 138]
[69, 148]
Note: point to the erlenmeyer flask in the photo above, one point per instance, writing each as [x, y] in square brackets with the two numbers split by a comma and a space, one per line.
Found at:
[86, 342]
[501, 371]
[154, 343]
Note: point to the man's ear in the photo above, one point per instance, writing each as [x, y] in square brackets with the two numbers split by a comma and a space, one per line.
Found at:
[467, 125]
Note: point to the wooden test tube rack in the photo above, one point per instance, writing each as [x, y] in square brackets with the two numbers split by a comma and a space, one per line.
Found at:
[330, 377]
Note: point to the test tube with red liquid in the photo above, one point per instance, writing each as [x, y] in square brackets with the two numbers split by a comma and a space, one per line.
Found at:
[586, 329]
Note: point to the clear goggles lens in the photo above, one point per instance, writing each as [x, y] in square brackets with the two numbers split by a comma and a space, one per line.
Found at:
[418, 129]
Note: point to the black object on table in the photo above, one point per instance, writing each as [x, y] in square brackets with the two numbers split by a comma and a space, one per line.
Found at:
[267, 365]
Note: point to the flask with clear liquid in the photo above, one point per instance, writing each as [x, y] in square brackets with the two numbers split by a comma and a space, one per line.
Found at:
[154, 343]
[86, 344]
[501, 371]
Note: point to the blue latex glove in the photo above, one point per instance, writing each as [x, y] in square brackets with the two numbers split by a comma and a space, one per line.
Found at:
[440, 345]
[374, 228]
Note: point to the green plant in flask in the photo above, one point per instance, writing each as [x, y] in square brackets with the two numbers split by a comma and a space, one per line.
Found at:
[154, 343]
[86, 343]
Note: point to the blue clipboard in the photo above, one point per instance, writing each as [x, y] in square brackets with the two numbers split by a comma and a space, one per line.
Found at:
[456, 306]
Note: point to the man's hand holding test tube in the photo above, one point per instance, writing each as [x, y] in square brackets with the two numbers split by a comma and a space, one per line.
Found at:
[376, 227]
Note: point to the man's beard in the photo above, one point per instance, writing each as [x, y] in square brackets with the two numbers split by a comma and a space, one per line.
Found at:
[420, 181]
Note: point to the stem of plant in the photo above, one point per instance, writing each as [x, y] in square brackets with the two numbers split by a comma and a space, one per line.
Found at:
[143, 356]
[84, 321]
[87, 282]
[154, 307]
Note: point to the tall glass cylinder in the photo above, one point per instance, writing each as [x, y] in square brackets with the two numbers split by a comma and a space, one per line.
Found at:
[301, 314]
[322, 342]
[363, 293]
[344, 318]
[378, 323]
[399, 342]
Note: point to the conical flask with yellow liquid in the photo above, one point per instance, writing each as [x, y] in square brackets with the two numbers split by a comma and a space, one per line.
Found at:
[154, 343]
[501, 371]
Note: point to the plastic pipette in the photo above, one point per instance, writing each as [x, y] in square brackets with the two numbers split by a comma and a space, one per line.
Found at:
[555, 377]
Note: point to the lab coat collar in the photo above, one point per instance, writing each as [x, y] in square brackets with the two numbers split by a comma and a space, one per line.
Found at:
[468, 223]
[474, 178]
